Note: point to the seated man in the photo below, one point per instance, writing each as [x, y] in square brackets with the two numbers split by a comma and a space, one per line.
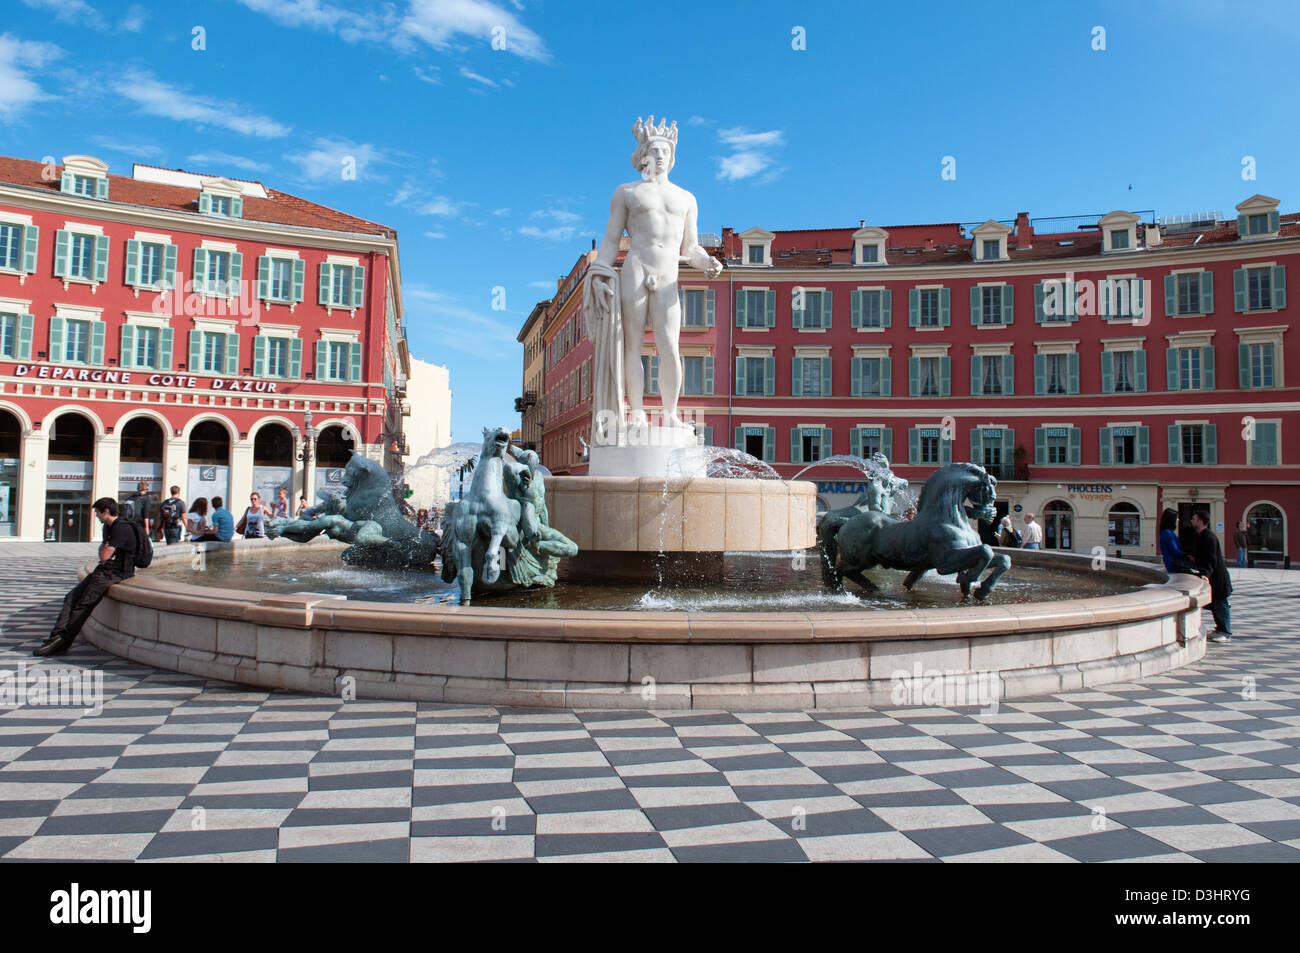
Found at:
[116, 562]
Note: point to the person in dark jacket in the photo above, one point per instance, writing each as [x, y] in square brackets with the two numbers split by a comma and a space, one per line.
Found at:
[1209, 557]
[1171, 550]
[1241, 543]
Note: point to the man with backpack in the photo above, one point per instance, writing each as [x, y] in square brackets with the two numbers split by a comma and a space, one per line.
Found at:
[172, 513]
[124, 544]
[137, 508]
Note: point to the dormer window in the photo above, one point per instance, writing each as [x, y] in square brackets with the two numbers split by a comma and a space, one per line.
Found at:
[989, 241]
[221, 197]
[1118, 232]
[86, 176]
[869, 246]
[1257, 218]
[757, 246]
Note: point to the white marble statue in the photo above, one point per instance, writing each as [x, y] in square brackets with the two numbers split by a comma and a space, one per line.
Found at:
[660, 220]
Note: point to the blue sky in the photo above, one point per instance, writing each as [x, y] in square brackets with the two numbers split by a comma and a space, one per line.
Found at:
[496, 165]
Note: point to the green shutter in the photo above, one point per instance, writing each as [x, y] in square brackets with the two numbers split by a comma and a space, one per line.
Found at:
[945, 310]
[1175, 444]
[96, 342]
[259, 356]
[1239, 289]
[358, 286]
[740, 375]
[26, 326]
[322, 360]
[1171, 368]
[886, 306]
[1210, 441]
[976, 378]
[324, 285]
[1040, 295]
[827, 442]
[31, 247]
[769, 376]
[855, 376]
[236, 275]
[128, 346]
[1076, 446]
[1107, 372]
[1140, 363]
[132, 262]
[1008, 447]
[945, 376]
[887, 442]
[945, 450]
[796, 314]
[62, 242]
[355, 371]
[68, 183]
[708, 375]
[169, 266]
[232, 353]
[1143, 445]
[826, 377]
[1279, 286]
[237, 207]
[101, 258]
[1207, 292]
[295, 358]
[796, 445]
[1040, 373]
[264, 277]
[828, 307]
[1207, 368]
[709, 304]
[196, 352]
[56, 339]
[200, 278]
[1171, 295]
[740, 308]
[796, 377]
[205, 203]
[1072, 373]
[976, 445]
[1243, 226]
[165, 336]
[771, 308]
[1105, 446]
[740, 438]
[1243, 365]
[975, 315]
[1040, 446]
[913, 376]
[769, 443]
[1274, 220]
[855, 308]
[913, 308]
[914, 445]
[299, 276]
[884, 376]
[855, 441]
[1008, 304]
[1008, 374]
[101, 188]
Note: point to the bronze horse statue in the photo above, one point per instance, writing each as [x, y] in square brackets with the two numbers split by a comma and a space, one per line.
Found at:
[939, 537]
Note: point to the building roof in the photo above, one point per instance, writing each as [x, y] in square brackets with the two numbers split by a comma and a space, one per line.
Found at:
[278, 208]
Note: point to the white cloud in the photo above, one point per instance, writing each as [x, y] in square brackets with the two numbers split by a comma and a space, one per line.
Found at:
[68, 11]
[441, 23]
[441, 205]
[470, 74]
[157, 98]
[751, 155]
[544, 285]
[458, 327]
[318, 15]
[19, 86]
[133, 22]
[428, 75]
[557, 215]
[435, 234]
[699, 121]
[501, 211]
[326, 160]
[212, 161]
[138, 150]
[560, 233]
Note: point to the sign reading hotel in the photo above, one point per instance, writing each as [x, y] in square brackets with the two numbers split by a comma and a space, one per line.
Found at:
[100, 375]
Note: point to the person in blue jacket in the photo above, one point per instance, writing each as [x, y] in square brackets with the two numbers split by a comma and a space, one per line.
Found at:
[1170, 550]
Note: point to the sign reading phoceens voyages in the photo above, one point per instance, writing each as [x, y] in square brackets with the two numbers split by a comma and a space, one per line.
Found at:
[101, 375]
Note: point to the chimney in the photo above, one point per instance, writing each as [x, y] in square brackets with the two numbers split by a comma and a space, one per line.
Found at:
[862, 223]
[1024, 232]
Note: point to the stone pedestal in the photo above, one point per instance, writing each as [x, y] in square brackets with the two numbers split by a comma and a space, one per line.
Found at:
[649, 451]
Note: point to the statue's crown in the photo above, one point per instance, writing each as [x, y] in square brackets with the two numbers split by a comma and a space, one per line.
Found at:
[647, 130]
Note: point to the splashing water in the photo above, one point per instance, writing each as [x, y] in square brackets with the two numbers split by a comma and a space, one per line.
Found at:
[430, 477]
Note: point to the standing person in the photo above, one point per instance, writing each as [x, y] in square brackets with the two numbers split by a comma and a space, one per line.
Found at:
[1241, 542]
[1007, 535]
[1033, 536]
[201, 531]
[116, 562]
[171, 513]
[1170, 547]
[280, 508]
[252, 525]
[223, 523]
[1209, 557]
[137, 508]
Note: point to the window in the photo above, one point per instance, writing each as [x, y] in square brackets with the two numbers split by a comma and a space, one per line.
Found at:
[693, 309]
[146, 347]
[81, 257]
[992, 249]
[867, 441]
[343, 286]
[76, 342]
[1058, 445]
[1259, 288]
[11, 246]
[1264, 525]
[1189, 294]
[277, 357]
[929, 377]
[756, 254]
[339, 358]
[754, 444]
[214, 352]
[809, 444]
[217, 277]
[1189, 368]
[929, 300]
[692, 375]
[1258, 224]
[990, 297]
[1124, 525]
[1263, 449]
[1193, 446]
[1058, 525]
[755, 309]
[151, 263]
[755, 376]
[649, 374]
[871, 311]
[811, 376]
[1119, 239]
[230, 206]
[1260, 362]
[84, 185]
[869, 254]
[992, 378]
[1057, 373]
[1125, 445]
[1125, 371]
[812, 309]
[929, 447]
[281, 279]
[869, 377]
[8, 335]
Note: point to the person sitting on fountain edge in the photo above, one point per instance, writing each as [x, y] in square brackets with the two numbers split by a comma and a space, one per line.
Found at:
[116, 562]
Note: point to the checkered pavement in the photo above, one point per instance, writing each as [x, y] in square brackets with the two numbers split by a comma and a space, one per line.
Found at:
[1200, 764]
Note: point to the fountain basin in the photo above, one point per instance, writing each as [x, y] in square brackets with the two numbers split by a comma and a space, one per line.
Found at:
[656, 660]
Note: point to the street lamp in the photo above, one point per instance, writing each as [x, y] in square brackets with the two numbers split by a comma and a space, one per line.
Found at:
[305, 453]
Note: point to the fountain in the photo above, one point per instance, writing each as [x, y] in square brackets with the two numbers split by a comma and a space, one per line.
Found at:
[673, 575]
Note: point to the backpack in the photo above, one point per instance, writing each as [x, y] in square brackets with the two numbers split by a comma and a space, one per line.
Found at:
[143, 554]
[172, 512]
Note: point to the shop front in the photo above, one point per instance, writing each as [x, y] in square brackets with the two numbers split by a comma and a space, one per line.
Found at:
[69, 480]
[10, 470]
[209, 463]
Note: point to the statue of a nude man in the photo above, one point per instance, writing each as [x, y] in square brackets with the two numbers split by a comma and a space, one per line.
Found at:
[660, 220]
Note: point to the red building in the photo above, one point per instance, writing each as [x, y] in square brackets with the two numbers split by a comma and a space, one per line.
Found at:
[185, 329]
[1102, 367]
